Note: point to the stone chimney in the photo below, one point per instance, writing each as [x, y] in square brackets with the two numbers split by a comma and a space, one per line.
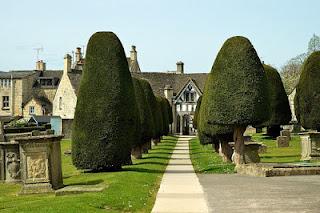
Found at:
[168, 93]
[133, 53]
[180, 67]
[67, 63]
[78, 54]
[40, 65]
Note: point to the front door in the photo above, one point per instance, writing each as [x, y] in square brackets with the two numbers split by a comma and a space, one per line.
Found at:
[186, 122]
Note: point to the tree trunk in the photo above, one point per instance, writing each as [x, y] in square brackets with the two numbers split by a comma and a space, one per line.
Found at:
[238, 157]
[215, 146]
[226, 151]
[136, 152]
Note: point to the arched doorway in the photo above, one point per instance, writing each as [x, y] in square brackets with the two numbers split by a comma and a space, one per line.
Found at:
[186, 125]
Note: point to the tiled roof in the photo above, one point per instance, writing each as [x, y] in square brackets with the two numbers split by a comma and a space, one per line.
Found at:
[158, 80]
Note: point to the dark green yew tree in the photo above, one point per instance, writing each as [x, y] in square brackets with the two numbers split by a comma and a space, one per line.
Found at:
[307, 98]
[146, 121]
[106, 117]
[236, 93]
[280, 112]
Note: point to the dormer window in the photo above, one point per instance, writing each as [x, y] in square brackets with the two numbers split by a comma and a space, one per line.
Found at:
[189, 94]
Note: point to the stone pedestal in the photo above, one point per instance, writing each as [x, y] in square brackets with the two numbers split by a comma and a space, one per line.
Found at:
[286, 132]
[40, 163]
[310, 146]
[282, 141]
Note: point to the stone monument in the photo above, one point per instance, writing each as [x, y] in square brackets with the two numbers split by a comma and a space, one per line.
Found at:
[40, 163]
[310, 146]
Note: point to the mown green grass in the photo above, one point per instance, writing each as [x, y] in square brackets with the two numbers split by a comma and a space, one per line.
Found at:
[206, 160]
[131, 190]
[279, 155]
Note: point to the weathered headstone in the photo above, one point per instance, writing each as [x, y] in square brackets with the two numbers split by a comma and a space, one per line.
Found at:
[282, 141]
[286, 132]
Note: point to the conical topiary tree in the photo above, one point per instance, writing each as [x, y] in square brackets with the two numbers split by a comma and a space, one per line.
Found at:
[307, 98]
[152, 103]
[165, 115]
[237, 93]
[146, 121]
[170, 115]
[280, 112]
[218, 135]
[106, 118]
[159, 116]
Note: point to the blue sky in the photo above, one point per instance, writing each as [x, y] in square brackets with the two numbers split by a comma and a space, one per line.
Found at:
[164, 31]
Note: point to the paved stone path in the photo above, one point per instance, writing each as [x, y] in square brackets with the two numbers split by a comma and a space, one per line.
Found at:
[236, 193]
[180, 190]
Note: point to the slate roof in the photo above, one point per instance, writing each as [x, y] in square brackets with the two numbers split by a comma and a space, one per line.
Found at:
[17, 73]
[158, 80]
[40, 99]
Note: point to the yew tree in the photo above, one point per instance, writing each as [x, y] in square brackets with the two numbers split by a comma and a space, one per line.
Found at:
[236, 95]
[307, 98]
[106, 119]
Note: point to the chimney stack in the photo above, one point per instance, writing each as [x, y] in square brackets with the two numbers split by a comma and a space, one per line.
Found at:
[67, 63]
[40, 65]
[78, 54]
[180, 67]
[133, 53]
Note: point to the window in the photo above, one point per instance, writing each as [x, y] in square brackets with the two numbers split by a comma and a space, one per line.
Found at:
[60, 103]
[46, 82]
[5, 101]
[192, 96]
[31, 110]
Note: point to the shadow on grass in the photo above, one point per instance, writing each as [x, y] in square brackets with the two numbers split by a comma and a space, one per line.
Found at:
[90, 182]
[150, 162]
[280, 156]
[155, 157]
[155, 170]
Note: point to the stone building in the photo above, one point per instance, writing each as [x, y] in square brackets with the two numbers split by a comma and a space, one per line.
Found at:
[182, 90]
[28, 92]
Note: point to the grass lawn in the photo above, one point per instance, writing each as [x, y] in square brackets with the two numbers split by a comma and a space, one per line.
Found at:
[205, 160]
[131, 190]
[279, 155]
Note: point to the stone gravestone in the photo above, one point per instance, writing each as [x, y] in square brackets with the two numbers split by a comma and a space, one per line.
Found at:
[283, 141]
[41, 163]
[251, 153]
[286, 132]
[310, 146]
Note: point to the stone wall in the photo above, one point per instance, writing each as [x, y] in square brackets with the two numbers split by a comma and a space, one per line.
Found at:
[65, 99]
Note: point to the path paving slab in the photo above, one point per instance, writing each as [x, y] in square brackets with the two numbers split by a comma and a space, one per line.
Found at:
[180, 189]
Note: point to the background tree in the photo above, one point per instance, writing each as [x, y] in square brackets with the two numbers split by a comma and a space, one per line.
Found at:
[165, 115]
[151, 99]
[237, 93]
[160, 119]
[279, 103]
[290, 72]
[307, 98]
[196, 113]
[106, 116]
[146, 121]
[217, 135]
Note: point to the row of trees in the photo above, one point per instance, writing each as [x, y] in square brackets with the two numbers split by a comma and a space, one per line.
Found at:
[240, 91]
[116, 115]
